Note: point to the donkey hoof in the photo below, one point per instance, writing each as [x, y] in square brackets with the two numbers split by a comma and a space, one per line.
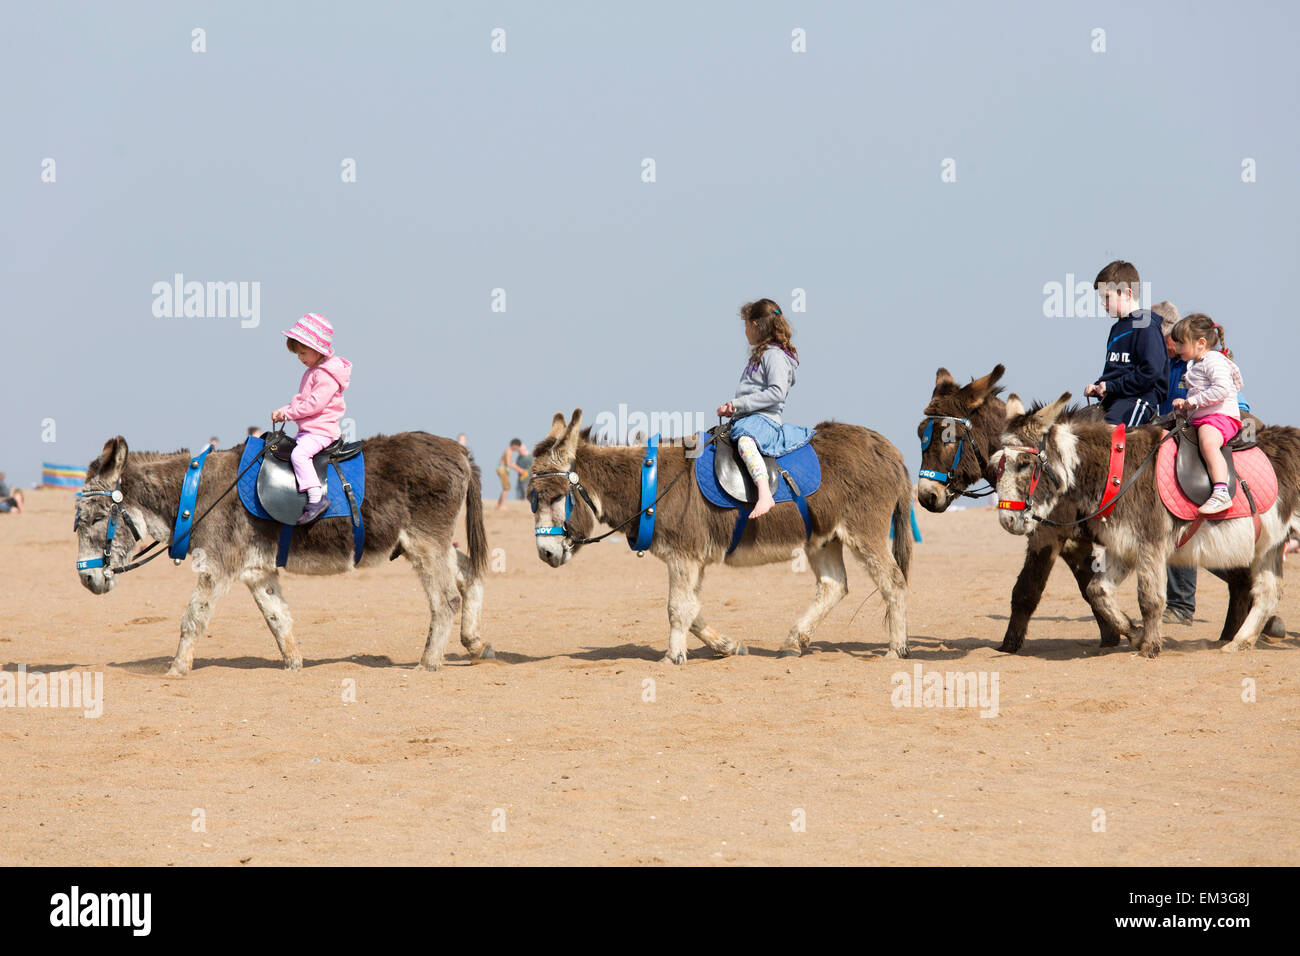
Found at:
[1231, 647]
[1275, 628]
[487, 654]
[1149, 650]
[1009, 647]
[893, 655]
[175, 671]
[669, 659]
[787, 652]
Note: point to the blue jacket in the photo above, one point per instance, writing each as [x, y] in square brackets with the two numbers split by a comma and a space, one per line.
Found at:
[1178, 390]
[1136, 372]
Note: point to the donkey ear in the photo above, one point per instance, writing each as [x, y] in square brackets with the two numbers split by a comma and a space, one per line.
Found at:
[1015, 407]
[943, 377]
[111, 460]
[557, 426]
[1052, 412]
[980, 389]
[572, 433]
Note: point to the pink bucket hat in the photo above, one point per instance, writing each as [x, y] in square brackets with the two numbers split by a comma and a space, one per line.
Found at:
[315, 332]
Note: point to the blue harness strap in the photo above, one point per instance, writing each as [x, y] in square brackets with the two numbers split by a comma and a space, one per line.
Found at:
[939, 476]
[645, 531]
[358, 525]
[180, 545]
[282, 552]
[742, 513]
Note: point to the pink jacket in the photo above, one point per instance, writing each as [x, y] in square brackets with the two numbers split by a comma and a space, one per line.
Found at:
[319, 404]
[1212, 386]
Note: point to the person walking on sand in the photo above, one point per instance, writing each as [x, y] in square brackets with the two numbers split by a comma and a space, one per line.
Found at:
[765, 384]
[318, 406]
[508, 464]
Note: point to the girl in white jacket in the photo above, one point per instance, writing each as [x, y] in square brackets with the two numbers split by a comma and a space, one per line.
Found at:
[1213, 381]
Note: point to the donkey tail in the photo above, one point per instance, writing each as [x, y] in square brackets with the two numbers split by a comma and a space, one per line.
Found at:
[476, 536]
[902, 527]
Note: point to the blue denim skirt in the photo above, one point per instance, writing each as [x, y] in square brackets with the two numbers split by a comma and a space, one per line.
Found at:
[773, 440]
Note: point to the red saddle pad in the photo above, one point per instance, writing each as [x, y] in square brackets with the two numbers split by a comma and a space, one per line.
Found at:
[1252, 466]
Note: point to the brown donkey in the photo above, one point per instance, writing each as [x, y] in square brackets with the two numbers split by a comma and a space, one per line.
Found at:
[978, 403]
[415, 486]
[1047, 461]
[864, 493]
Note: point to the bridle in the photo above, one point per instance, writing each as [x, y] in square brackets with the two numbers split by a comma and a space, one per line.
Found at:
[575, 484]
[115, 512]
[1040, 466]
[946, 478]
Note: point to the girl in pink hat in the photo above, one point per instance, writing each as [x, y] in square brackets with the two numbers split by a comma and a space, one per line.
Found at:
[318, 406]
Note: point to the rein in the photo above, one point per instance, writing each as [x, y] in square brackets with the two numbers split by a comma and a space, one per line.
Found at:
[1107, 501]
[946, 478]
[576, 484]
[143, 557]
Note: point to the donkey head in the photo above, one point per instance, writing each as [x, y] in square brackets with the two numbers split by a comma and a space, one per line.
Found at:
[950, 459]
[562, 517]
[1035, 465]
[108, 526]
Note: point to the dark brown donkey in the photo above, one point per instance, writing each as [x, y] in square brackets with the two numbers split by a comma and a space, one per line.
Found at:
[864, 493]
[416, 484]
[1046, 461]
[978, 403]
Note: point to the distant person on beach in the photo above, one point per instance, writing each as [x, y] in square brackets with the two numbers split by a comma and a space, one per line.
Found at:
[10, 500]
[505, 466]
[525, 462]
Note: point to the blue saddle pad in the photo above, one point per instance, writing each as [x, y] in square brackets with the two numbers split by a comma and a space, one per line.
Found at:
[354, 469]
[802, 464]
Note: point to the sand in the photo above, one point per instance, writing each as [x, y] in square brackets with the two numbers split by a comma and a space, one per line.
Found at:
[578, 746]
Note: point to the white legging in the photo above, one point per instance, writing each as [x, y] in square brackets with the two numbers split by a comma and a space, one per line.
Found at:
[753, 460]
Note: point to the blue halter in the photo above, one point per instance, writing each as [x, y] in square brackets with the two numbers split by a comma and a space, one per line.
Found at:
[115, 512]
[943, 477]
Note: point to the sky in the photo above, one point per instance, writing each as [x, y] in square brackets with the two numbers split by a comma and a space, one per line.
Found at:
[814, 177]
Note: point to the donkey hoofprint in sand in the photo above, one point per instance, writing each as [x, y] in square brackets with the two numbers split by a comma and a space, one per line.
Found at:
[864, 492]
[971, 419]
[1140, 534]
[416, 484]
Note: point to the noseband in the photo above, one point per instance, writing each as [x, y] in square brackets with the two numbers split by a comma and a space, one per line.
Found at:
[946, 478]
[574, 485]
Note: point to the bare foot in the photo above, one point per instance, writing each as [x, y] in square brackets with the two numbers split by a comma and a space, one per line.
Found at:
[18, 501]
[763, 505]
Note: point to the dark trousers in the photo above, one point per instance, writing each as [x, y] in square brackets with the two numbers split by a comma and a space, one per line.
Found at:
[1180, 589]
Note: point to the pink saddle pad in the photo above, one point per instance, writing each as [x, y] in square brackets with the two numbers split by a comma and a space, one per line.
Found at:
[1253, 467]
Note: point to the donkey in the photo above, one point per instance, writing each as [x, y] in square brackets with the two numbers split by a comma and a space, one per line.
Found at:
[415, 485]
[1072, 459]
[864, 493]
[978, 403]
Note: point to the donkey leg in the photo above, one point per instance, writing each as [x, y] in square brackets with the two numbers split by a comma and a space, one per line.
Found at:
[683, 606]
[1101, 595]
[1238, 580]
[1265, 590]
[1040, 555]
[436, 576]
[827, 563]
[1152, 580]
[265, 585]
[889, 579]
[471, 609]
[722, 646]
[210, 589]
[1077, 554]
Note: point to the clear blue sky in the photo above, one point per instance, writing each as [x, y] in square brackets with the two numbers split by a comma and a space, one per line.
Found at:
[775, 170]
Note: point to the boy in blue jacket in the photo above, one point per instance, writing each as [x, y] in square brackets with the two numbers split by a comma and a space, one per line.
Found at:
[1135, 379]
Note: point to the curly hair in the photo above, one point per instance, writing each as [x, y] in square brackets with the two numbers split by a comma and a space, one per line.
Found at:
[773, 328]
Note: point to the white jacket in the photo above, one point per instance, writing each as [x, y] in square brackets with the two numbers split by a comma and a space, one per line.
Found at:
[1212, 386]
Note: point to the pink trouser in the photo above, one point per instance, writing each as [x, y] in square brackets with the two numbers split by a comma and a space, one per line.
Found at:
[308, 444]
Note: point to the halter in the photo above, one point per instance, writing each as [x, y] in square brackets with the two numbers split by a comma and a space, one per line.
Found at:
[946, 478]
[1040, 462]
[574, 485]
[115, 512]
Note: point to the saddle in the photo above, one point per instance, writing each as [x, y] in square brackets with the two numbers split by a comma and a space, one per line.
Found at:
[277, 486]
[732, 474]
[1192, 473]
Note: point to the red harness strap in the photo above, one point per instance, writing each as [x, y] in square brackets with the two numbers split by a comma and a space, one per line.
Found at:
[1115, 477]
